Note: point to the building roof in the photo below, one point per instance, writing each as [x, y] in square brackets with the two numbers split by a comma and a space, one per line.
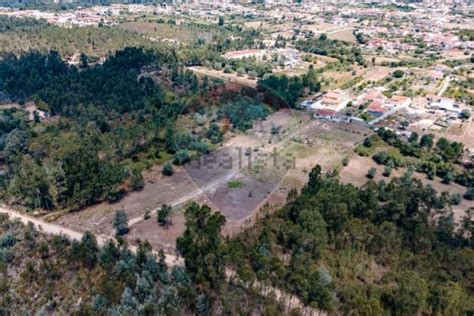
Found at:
[398, 98]
[376, 106]
[332, 97]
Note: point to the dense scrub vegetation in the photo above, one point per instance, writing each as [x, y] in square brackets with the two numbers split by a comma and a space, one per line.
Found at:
[322, 45]
[18, 35]
[383, 248]
[283, 91]
[243, 112]
[443, 158]
[43, 275]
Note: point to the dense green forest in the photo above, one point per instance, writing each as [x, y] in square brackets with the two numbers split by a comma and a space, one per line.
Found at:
[108, 122]
[108, 115]
[383, 248]
[284, 91]
[322, 45]
[43, 275]
[22, 35]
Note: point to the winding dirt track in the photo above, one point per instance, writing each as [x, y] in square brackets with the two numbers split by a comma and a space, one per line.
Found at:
[290, 301]
[54, 229]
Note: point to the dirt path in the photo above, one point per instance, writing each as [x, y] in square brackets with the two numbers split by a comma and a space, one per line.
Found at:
[290, 301]
[54, 229]
[444, 85]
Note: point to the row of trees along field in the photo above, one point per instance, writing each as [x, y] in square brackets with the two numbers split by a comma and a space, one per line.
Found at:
[383, 248]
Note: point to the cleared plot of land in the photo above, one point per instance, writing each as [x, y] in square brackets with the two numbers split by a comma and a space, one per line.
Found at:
[259, 25]
[339, 78]
[323, 143]
[321, 27]
[323, 58]
[345, 34]
[298, 70]
[355, 173]
[377, 73]
[301, 141]
[460, 131]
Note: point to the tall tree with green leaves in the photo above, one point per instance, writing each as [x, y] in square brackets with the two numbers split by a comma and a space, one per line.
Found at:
[201, 245]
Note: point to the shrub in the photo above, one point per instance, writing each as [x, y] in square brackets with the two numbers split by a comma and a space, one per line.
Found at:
[136, 180]
[235, 184]
[466, 113]
[120, 222]
[164, 215]
[387, 171]
[345, 161]
[7, 240]
[367, 142]
[469, 195]
[455, 199]
[398, 73]
[241, 71]
[181, 157]
[371, 173]
[167, 169]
